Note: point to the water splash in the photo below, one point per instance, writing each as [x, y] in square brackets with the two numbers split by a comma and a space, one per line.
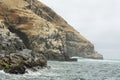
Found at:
[84, 69]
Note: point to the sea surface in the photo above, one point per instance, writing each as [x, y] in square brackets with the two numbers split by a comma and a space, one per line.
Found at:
[83, 69]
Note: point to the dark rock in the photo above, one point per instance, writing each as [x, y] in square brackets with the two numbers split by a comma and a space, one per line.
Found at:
[82, 79]
[73, 59]
[17, 63]
[16, 70]
[10, 43]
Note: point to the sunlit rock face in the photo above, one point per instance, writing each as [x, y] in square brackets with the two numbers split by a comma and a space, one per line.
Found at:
[43, 31]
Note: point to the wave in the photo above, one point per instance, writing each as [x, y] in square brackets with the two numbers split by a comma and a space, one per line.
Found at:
[95, 60]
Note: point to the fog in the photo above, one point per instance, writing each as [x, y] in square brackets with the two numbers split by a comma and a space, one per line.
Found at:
[96, 20]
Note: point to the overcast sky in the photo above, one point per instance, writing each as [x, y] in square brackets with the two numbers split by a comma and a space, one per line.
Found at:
[96, 20]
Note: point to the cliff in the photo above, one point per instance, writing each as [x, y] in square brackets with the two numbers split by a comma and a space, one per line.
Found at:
[15, 58]
[39, 28]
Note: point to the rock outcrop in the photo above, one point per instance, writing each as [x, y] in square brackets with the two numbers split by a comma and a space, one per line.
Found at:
[15, 58]
[17, 63]
[9, 42]
[43, 31]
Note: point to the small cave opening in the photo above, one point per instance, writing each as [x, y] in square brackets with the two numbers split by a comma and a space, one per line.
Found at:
[20, 34]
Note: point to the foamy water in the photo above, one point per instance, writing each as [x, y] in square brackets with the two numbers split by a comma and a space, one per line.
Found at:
[84, 69]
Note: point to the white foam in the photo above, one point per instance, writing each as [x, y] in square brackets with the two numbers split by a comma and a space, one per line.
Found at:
[1, 71]
[95, 60]
[31, 73]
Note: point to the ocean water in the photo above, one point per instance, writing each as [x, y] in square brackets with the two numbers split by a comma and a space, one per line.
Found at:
[84, 69]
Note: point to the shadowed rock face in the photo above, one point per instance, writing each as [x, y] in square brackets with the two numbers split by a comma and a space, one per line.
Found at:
[9, 42]
[43, 31]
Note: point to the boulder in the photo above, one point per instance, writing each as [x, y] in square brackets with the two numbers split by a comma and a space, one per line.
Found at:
[18, 69]
[17, 63]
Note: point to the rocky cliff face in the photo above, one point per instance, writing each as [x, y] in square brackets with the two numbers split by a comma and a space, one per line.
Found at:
[9, 42]
[42, 30]
[14, 56]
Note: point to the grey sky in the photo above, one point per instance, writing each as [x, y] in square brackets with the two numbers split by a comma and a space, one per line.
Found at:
[96, 20]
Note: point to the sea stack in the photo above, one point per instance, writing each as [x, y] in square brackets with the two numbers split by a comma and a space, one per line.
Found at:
[32, 25]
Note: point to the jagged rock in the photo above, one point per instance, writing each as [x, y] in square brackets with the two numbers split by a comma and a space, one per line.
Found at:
[9, 42]
[17, 63]
[42, 30]
[19, 69]
[14, 57]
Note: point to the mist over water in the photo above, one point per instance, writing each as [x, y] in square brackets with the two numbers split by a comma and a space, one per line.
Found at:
[84, 69]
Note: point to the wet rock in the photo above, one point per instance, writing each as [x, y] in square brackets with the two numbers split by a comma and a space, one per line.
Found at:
[17, 63]
[82, 79]
[19, 69]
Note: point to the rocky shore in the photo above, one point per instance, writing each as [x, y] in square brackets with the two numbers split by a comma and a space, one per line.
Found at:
[18, 63]
[31, 33]
[15, 58]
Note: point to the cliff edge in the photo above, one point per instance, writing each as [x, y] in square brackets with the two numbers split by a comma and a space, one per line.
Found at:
[43, 31]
